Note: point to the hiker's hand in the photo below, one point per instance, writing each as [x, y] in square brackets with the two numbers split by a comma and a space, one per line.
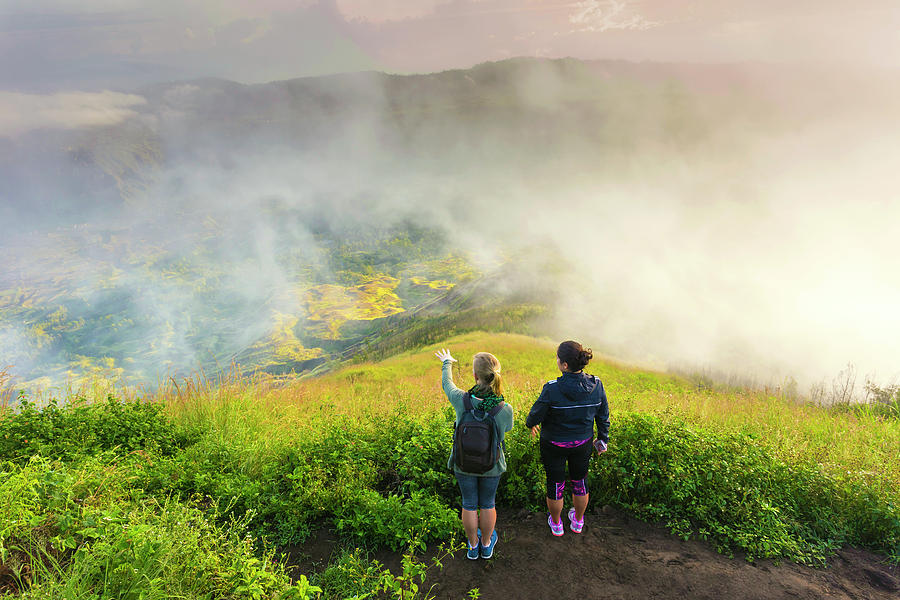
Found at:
[444, 355]
[600, 446]
[535, 430]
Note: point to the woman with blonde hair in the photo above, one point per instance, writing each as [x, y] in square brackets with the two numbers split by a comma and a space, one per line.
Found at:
[479, 516]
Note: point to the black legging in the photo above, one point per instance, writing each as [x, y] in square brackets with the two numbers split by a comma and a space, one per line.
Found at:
[555, 459]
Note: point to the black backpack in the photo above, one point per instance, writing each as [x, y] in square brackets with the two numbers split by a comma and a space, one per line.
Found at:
[476, 441]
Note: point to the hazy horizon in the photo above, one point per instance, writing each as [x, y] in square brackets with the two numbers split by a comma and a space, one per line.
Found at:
[61, 45]
[737, 215]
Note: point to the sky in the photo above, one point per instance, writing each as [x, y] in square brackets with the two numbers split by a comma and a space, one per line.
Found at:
[93, 45]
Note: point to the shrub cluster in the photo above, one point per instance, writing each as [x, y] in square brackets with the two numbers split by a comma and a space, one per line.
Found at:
[78, 531]
[81, 428]
[728, 487]
[381, 483]
[104, 496]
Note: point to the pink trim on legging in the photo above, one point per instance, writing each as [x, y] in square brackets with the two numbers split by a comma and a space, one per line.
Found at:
[559, 488]
[579, 487]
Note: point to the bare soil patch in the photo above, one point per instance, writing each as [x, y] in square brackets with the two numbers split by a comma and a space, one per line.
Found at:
[617, 557]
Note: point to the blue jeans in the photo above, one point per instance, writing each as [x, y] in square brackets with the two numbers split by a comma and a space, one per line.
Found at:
[477, 492]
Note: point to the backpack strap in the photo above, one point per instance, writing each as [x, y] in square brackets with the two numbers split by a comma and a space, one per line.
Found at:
[496, 409]
[468, 406]
[467, 402]
[493, 413]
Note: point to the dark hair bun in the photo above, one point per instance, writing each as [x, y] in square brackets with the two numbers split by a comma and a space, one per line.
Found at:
[574, 355]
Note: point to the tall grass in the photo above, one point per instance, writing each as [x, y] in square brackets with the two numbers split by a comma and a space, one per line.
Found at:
[855, 441]
[6, 389]
[206, 476]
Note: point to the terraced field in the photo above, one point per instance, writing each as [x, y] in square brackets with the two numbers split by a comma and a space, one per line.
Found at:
[135, 310]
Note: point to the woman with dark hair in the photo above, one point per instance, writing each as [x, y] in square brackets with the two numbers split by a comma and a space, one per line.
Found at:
[567, 409]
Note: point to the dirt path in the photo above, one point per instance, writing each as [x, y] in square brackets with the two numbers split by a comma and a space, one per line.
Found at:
[620, 558]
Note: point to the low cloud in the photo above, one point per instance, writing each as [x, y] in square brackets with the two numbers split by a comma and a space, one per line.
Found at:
[390, 10]
[21, 113]
[605, 15]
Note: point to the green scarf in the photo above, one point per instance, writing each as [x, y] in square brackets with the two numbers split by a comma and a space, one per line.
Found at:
[488, 399]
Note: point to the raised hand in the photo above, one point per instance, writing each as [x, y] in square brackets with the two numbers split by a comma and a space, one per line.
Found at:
[444, 355]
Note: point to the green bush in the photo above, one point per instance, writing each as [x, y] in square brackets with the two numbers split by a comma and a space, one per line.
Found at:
[118, 489]
[394, 522]
[728, 487]
[350, 575]
[81, 428]
[354, 576]
[523, 484]
[78, 532]
[412, 456]
[336, 476]
[378, 481]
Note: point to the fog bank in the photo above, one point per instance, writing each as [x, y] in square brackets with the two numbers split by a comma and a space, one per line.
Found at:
[739, 219]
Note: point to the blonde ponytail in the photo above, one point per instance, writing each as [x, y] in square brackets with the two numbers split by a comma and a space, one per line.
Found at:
[487, 369]
[497, 384]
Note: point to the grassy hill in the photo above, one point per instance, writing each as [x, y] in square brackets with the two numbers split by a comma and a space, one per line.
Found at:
[191, 492]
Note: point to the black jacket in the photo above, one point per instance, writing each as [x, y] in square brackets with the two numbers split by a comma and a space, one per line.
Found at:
[569, 406]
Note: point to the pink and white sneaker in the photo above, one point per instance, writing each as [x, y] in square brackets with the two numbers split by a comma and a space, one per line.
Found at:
[555, 528]
[575, 525]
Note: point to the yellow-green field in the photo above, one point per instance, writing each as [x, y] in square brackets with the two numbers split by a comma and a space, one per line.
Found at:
[83, 303]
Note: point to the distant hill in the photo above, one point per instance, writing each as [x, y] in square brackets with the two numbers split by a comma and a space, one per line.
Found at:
[532, 111]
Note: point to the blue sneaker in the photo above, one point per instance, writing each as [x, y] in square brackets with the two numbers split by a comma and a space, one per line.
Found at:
[472, 553]
[488, 551]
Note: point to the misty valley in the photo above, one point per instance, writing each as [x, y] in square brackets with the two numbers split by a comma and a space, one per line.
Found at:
[280, 226]
[117, 306]
[227, 312]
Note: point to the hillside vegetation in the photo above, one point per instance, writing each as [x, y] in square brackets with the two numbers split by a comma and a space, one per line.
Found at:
[191, 493]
